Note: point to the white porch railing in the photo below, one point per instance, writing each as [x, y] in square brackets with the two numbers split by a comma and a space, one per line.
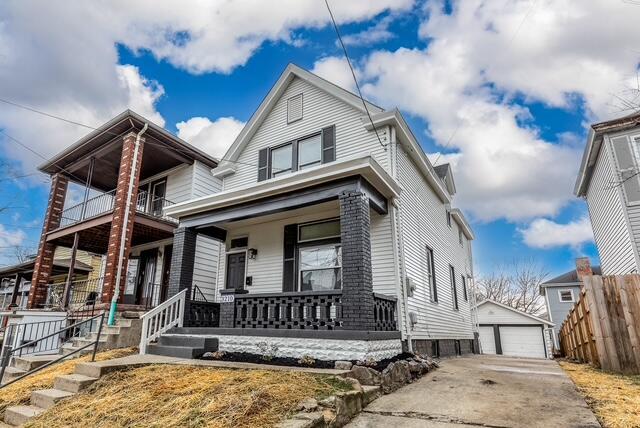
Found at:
[162, 318]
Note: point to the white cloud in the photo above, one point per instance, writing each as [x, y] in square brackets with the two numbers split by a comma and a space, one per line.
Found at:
[335, 70]
[543, 233]
[464, 82]
[64, 60]
[212, 137]
[377, 33]
[10, 238]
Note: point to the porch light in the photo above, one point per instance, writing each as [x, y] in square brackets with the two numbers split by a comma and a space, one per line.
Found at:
[253, 253]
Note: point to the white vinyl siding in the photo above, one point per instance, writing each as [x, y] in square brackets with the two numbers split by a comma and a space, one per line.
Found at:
[320, 110]
[206, 265]
[179, 184]
[424, 223]
[203, 182]
[606, 209]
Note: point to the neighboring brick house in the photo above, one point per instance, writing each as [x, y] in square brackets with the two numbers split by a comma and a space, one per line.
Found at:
[128, 160]
[336, 242]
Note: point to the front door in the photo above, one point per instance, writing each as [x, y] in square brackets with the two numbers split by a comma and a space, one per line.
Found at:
[145, 288]
[166, 271]
[235, 270]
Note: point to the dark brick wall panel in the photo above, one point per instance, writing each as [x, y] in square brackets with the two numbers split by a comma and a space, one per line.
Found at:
[357, 286]
[182, 260]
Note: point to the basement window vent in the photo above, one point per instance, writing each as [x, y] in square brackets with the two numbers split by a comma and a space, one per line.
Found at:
[294, 108]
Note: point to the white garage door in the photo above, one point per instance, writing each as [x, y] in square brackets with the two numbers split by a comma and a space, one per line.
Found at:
[522, 342]
[487, 341]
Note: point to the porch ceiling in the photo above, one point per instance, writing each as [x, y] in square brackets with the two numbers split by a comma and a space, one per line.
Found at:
[95, 238]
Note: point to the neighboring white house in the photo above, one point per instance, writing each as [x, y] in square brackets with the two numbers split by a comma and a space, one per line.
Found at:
[507, 331]
[609, 181]
[291, 216]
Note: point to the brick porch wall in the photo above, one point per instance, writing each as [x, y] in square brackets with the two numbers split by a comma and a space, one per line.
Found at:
[120, 203]
[44, 259]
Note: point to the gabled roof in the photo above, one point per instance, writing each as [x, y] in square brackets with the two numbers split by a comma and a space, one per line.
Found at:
[292, 71]
[445, 173]
[594, 143]
[569, 278]
[533, 317]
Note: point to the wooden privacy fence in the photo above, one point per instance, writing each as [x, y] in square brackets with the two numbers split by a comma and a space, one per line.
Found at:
[603, 328]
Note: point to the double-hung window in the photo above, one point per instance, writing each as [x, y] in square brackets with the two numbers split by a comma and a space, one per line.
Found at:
[464, 288]
[431, 275]
[454, 289]
[320, 256]
[310, 152]
[282, 160]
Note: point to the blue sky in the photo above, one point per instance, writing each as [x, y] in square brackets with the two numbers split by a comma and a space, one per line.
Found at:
[513, 81]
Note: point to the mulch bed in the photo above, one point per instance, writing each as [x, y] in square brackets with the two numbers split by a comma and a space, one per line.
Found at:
[244, 357]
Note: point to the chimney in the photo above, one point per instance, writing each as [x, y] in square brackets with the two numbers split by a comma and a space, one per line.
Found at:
[583, 268]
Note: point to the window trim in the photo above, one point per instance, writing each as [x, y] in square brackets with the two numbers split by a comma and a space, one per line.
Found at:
[431, 279]
[573, 297]
[454, 288]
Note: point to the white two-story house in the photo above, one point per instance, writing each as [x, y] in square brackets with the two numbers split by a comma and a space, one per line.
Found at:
[609, 181]
[338, 236]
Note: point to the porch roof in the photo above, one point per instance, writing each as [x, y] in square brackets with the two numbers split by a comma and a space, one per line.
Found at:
[365, 167]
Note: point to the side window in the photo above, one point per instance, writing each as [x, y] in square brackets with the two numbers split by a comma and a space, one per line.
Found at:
[448, 217]
[628, 173]
[454, 289]
[464, 288]
[460, 237]
[566, 296]
[431, 275]
[281, 160]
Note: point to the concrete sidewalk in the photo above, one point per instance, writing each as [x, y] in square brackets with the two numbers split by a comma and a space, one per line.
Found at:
[487, 391]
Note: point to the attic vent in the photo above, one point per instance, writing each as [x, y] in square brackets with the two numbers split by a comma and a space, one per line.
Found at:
[294, 108]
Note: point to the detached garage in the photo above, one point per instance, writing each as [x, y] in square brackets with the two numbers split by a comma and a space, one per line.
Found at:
[506, 331]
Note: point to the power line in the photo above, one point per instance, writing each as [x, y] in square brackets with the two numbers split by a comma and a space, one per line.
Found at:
[353, 73]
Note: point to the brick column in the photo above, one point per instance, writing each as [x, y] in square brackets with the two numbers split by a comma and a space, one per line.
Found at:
[182, 260]
[357, 284]
[44, 259]
[120, 203]
[228, 307]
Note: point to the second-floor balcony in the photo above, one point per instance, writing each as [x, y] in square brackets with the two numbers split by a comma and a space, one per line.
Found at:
[146, 204]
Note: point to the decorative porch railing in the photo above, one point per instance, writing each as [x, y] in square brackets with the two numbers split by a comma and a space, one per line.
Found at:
[292, 310]
[384, 312]
[95, 206]
[162, 318]
[83, 295]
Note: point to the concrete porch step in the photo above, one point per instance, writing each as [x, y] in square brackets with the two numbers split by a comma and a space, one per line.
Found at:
[19, 415]
[73, 382]
[30, 362]
[209, 344]
[176, 351]
[68, 348]
[46, 398]
[12, 373]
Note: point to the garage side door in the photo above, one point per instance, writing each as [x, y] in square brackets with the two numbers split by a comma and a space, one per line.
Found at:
[487, 341]
[522, 342]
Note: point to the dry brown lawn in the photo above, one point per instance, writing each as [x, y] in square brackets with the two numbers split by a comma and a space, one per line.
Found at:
[615, 399]
[183, 396]
[20, 392]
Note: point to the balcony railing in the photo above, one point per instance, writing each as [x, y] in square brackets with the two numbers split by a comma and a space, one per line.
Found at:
[102, 204]
[83, 295]
[384, 312]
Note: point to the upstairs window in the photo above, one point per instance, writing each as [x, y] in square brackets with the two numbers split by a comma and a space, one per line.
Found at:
[460, 237]
[282, 160]
[310, 152]
[448, 217]
[464, 288]
[566, 296]
[454, 289]
[431, 275]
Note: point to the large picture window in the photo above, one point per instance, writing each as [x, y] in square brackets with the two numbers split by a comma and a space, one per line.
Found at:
[320, 256]
[321, 267]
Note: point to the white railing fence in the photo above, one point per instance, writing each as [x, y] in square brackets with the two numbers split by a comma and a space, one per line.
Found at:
[160, 319]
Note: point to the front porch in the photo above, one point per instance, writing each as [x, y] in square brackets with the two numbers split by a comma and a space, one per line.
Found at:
[297, 272]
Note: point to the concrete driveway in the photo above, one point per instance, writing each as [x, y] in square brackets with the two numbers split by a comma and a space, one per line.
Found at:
[482, 390]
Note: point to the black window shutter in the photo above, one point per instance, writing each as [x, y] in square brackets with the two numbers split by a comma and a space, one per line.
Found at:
[263, 164]
[329, 144]
[289, 273]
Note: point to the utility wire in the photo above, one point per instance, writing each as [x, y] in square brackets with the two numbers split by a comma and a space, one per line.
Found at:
[353, 73]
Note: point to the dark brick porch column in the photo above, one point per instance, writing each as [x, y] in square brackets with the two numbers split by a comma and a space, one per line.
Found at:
[118, 223]
[44, 259]
[182, 260]
[357, 284]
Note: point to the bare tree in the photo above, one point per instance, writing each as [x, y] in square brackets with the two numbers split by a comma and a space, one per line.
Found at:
[23, 254]
[516, 285]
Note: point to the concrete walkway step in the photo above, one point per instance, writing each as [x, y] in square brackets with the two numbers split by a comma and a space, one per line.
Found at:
[11, 373]
[73, 382]
[19, 415]
[175, 351]
[46, 398]
[30, 362]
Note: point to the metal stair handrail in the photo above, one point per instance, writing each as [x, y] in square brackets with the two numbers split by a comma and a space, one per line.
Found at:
[160, 319]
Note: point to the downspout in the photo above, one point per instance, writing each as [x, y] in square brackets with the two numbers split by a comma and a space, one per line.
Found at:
[396, 221]
[127, 209]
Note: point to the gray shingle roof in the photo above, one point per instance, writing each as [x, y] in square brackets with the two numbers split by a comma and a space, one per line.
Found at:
[571, 276]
